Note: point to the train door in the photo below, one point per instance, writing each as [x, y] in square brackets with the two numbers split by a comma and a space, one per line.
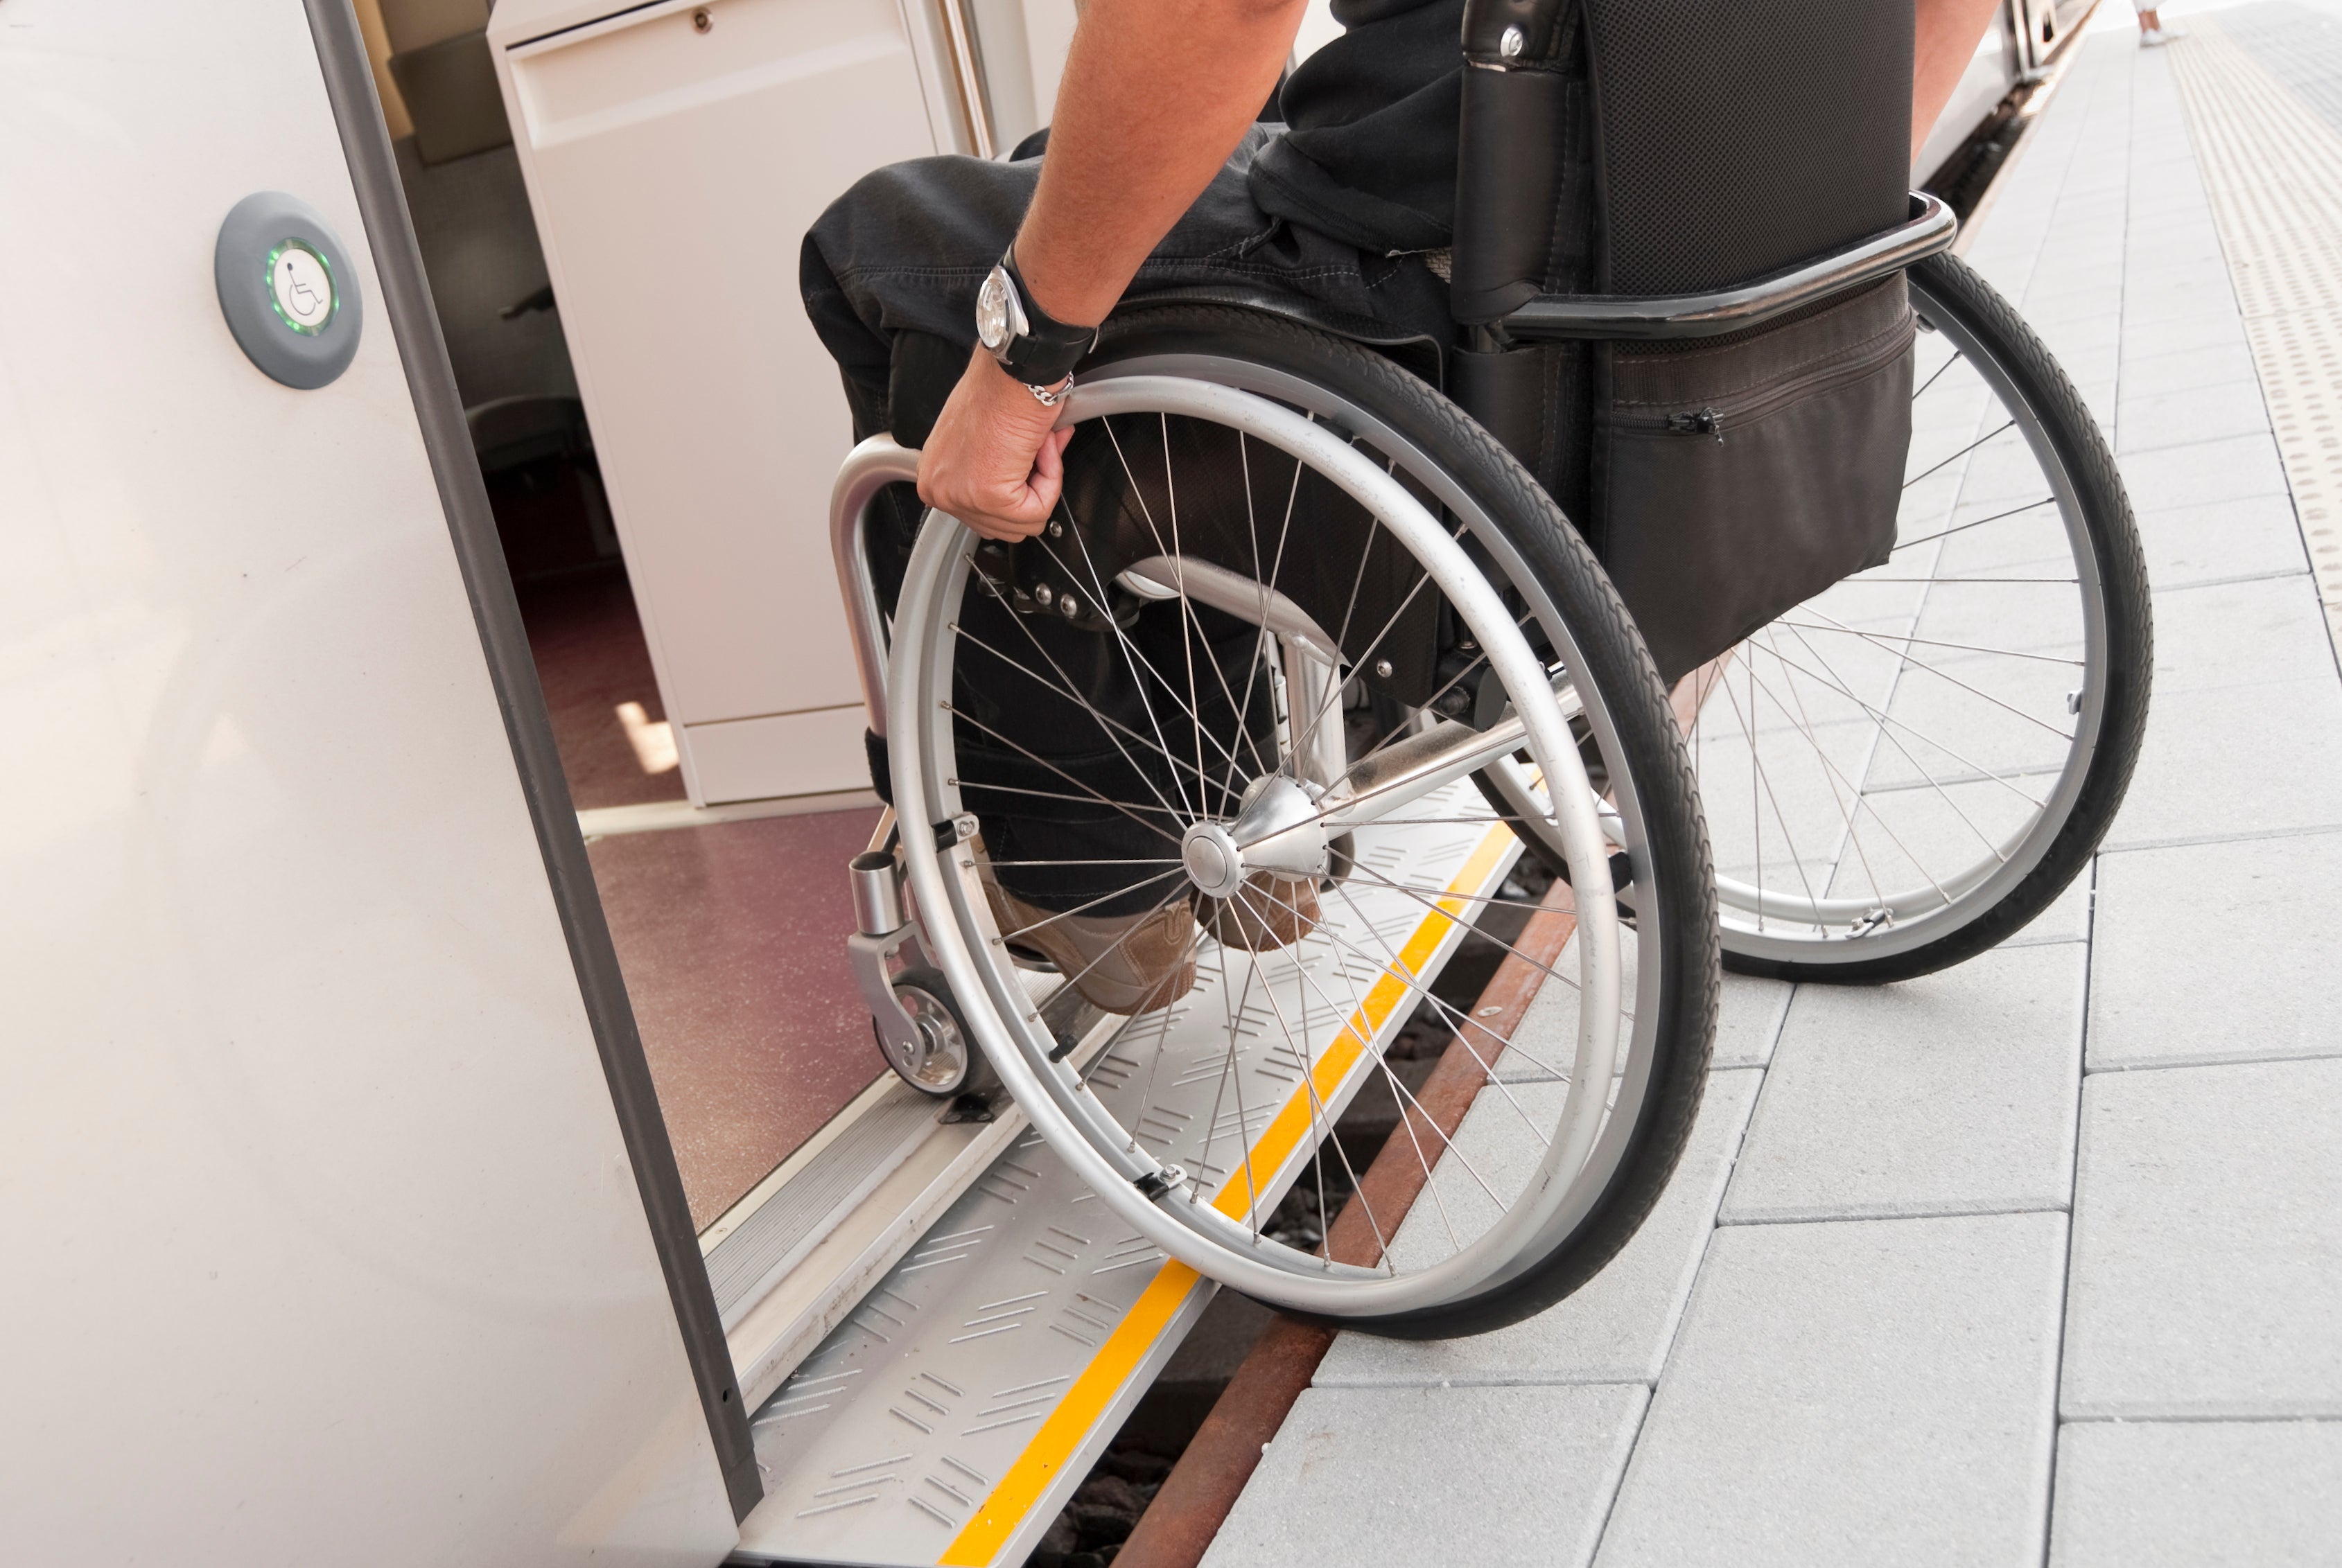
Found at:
[338, 1217]
[609, 199]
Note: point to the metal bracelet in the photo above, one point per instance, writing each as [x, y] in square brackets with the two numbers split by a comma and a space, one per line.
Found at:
[1050, 397]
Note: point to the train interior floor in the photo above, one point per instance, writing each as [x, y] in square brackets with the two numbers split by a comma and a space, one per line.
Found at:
[730, 934]
[2039, 1258]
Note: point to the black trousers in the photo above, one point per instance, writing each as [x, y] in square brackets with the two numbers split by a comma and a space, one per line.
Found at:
[890, 275]
[898, 259]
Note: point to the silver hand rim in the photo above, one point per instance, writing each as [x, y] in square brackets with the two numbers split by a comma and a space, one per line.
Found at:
[1003, 1019]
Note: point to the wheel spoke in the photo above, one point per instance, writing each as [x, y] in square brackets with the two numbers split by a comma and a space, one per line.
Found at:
[1963, 527]
[1106, 723]
[1308, 1053]
[1911, 662]
[1547, 970]
[1130, 809]
[1103, 898]
[1956, 357]
[1462, 1022]
[1400, 1090]
[1883, 640]
[1963, 451]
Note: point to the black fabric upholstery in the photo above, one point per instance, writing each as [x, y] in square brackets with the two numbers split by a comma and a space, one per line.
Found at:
[1370, 159]
[1739, 137]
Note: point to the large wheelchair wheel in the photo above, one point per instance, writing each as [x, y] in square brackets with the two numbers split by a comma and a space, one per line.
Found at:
[1908, 768]
[1268, 533]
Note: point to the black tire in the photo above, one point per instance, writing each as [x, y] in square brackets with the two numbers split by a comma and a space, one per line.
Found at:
[1678, 883]
[1945, 288]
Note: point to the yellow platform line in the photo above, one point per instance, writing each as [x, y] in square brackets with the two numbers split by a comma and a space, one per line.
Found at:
[1087, 1398]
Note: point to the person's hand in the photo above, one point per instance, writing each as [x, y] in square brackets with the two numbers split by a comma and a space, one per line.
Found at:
[994, 459]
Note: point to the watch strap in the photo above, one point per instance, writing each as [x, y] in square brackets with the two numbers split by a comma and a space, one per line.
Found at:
[1047, 351]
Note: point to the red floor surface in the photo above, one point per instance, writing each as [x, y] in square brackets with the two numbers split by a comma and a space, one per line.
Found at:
[732, 937]
[732, 941]
[591, 657]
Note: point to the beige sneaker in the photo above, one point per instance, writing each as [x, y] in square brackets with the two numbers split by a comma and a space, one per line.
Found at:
[1120, 963]
[1268, 913]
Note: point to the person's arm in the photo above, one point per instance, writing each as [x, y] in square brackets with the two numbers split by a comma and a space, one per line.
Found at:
[1944, 41]
[1155, 96]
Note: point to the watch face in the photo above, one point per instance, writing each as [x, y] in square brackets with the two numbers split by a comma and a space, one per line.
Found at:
[992, 325]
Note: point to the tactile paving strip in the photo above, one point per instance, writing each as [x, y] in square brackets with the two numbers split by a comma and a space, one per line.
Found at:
[947, 1419]
[2273, 168]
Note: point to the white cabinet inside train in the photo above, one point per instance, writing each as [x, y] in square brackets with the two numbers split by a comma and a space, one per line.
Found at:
[676, 153]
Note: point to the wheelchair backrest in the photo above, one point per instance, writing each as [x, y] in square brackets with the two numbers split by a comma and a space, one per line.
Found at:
[1735, 138]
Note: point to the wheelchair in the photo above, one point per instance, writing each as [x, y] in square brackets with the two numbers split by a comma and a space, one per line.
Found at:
[1299, 598]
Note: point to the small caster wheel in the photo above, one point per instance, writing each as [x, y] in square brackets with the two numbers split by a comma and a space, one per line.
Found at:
[945, 1063]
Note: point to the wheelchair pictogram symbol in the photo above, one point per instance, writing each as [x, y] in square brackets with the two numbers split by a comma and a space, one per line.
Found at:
[301, 286]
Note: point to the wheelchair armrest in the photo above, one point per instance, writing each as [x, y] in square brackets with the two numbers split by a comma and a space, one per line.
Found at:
[1931, 228]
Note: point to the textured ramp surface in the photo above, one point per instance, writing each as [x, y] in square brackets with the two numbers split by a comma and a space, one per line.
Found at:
[952, 1412]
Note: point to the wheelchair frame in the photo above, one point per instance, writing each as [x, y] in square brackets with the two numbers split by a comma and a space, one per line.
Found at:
[883, 929]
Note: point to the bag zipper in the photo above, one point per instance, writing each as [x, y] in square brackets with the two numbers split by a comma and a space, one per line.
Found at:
[1756, 402]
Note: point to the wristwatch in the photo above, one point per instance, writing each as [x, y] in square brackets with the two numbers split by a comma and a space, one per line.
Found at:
[1036, 350]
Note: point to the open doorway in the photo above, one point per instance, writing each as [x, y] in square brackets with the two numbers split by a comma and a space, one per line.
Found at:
[729, 925]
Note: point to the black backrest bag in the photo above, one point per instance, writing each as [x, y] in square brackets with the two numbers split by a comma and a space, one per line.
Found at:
[1697, 146]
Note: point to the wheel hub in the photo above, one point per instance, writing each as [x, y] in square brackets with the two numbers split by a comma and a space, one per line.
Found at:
[1214, 863]
[1278, 828]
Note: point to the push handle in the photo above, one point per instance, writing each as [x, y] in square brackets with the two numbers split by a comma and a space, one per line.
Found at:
[1510, 160]
[1508, 31]
[869, 469]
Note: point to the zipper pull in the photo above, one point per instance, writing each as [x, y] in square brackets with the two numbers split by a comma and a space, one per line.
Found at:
[1706, 422]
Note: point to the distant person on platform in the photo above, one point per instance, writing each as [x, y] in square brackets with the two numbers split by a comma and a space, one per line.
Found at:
[2152, 33]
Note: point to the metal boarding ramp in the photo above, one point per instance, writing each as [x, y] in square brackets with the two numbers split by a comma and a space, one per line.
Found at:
[944, 1328]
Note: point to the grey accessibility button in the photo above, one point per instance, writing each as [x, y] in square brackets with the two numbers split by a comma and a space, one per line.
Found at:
[287, 289]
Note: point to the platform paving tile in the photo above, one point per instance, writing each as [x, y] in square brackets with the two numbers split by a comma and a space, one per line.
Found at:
[2165, 173]
[2199, 295]
[2170, 238]
[2155, 252]
[2227, 760]
[2171, 332]
[1872, 1352]
[1544, 1041]
[2216, 951]
[2171, 202]
[2197, 1495]
[2224, 470]
[1405, 1477]
[2207, 1243]
[1853, 1394]
[2221, 540]
[2067, 918]
[1748, 1021]
[2084, 343]
[2142, 423]
[2069, 261]
[2073, 306]
[1948, 1094]
[2238, 635]
[1614, 1329]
